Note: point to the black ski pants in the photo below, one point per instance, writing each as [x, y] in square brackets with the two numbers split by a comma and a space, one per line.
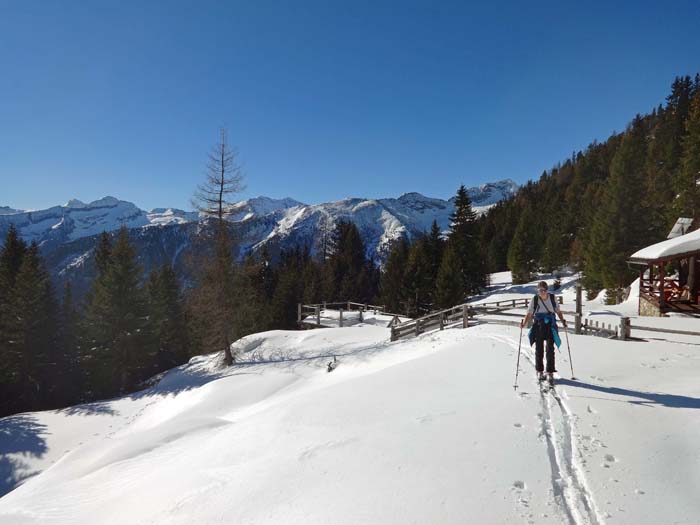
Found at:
[543, 332]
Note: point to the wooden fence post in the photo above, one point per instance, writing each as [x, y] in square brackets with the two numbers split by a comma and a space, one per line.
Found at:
[579, 309]
[442, 320]
[340, 318]
[349, 306]
[625, 328]
[465, 317]
[417, 326]
[577, 324]
[318, 315]
[299, 313]
[393, 333]
[361, 318]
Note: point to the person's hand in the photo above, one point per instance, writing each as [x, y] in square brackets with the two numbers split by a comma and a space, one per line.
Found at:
[563, 322]
[522, 323]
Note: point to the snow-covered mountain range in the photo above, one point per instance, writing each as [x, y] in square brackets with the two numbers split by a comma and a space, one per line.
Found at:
[66, 233]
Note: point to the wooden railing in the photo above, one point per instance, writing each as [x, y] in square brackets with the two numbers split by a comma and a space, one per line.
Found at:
[309, 315]
[462, 313]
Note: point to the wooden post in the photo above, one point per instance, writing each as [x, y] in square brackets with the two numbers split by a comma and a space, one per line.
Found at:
[442, 320]
[465, 317]
[393, 333]
[662, 285]
[318, 315]
[361, 319]
[324, 305]
[513, 303]
[349, 307]
[579, 309]
[340, 318]
[625, 328]
[692, 278]
[577, 324]
[299, 313]
[579, 306]
[417, 326]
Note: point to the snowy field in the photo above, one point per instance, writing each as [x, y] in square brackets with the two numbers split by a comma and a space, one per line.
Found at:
[424, 430]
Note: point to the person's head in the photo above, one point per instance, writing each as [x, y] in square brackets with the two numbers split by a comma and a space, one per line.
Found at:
[542, 287]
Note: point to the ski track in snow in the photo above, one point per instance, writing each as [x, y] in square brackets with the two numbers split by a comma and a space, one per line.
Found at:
[570, 489]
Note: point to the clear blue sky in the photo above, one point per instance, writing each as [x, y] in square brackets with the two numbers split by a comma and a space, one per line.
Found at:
[324, 100]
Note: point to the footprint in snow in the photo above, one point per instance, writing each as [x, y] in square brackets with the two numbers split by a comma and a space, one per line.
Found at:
[518, 425]
[610, 458]
[518, 484]
[591, 410]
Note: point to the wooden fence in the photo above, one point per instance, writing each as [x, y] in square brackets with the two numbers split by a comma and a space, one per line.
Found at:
[309, 315]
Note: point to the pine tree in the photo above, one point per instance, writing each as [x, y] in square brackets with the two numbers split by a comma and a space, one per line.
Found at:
[31, 330]
[521, 257]
[464, 237]
[117, 324]
[11, 256]
[72, 380]
[687, 181]
[167, 318]
[449, 287]
[418, 280]
[617, 230]
[393, 293]
[103, 252]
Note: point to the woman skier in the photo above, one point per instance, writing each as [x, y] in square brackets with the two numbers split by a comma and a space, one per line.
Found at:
[544, 308]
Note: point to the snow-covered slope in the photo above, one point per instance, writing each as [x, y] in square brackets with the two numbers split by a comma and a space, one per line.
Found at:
[427, 430]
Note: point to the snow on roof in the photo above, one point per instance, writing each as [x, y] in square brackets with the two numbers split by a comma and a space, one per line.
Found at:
[688, 243]
[683, 225]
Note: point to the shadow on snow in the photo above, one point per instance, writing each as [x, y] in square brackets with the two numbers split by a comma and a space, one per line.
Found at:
[22, 435]
[650, 399]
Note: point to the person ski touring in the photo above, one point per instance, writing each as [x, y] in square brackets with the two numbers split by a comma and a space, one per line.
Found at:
[544, 309]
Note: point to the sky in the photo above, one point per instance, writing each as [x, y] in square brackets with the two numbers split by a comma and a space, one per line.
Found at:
[322, 99]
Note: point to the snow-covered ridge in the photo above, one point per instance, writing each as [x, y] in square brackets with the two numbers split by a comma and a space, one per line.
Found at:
[279, 223]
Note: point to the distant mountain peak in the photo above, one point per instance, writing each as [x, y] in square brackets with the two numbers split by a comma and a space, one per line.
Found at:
[75, 203]
[104, 202]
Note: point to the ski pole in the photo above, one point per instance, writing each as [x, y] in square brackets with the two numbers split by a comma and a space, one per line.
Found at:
[571, 363]
[517, 366]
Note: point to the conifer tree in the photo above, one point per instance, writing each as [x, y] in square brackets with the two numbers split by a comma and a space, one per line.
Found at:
[117, 323]
[521, 254]
[449, 287]
[72, 381]
[31, 330]
[464, 237]
[687, 181]
[393, 293]
[418, 280]
[617, 230]
[167, 319]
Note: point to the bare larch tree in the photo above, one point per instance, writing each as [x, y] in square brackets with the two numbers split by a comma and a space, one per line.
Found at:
[213, 300]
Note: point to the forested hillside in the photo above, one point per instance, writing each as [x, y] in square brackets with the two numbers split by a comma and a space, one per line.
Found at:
[595, 209]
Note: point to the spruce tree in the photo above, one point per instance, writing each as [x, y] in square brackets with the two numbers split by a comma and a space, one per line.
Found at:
[687, 181]
[167, 319]
[449, 287]
[464, 237]
[117, 324]
[31, 333]
[393, 292]
[521, 254]
[618, 229]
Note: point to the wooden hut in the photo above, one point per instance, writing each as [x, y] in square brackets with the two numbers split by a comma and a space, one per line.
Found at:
[668, 273]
